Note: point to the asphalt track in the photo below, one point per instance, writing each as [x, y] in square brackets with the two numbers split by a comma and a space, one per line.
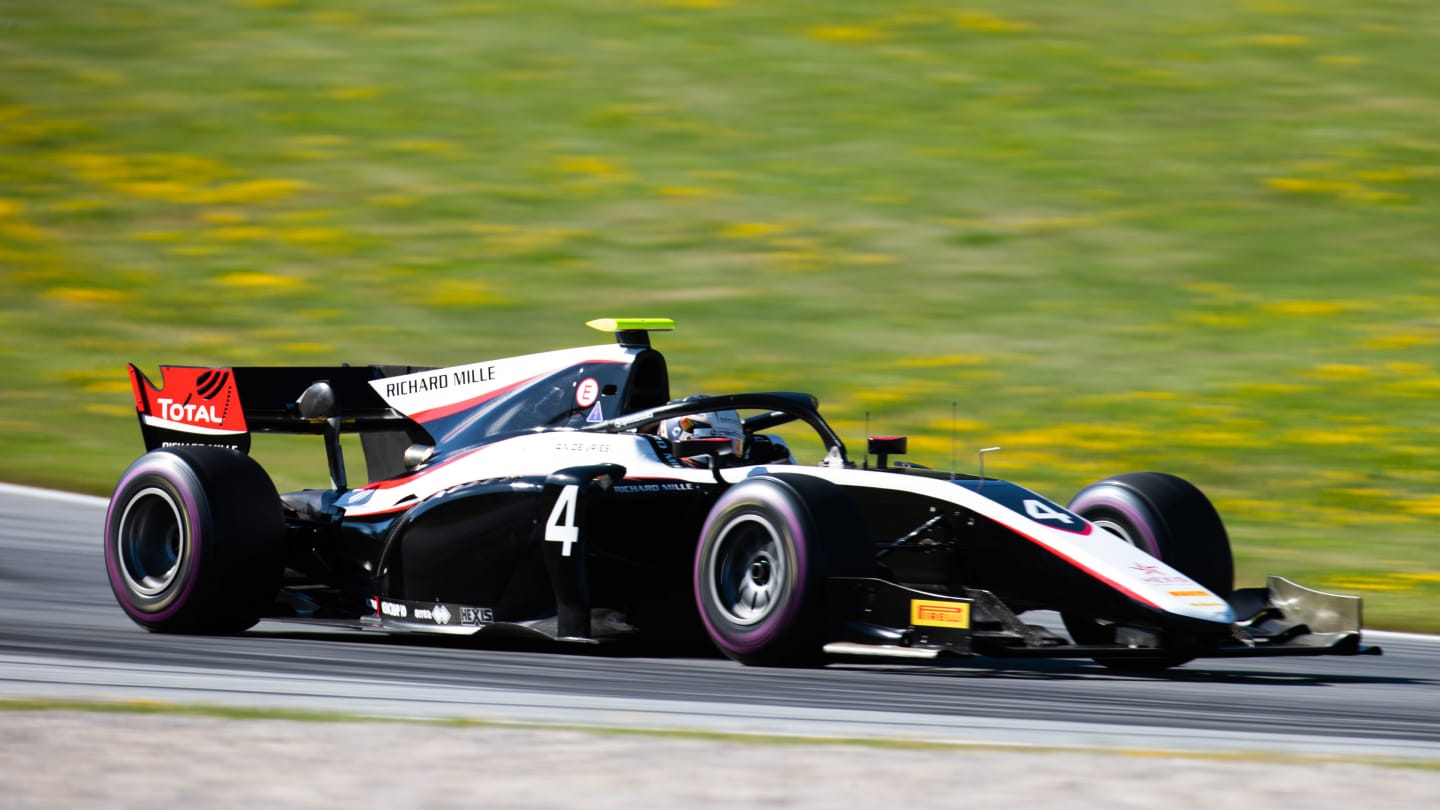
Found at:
[63, 637]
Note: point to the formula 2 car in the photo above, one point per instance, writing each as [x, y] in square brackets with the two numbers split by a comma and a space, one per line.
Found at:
[564, 495]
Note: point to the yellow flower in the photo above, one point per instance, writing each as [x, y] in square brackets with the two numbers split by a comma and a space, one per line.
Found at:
[249, 191]
[258, 280]
[309, 348]
[697, 4]
[1410, 369]
[164, 190]
[1366, 584]
[1281, 40]
[941, 361]
[751, 230]
[313, 236]
[1311, 307]
[844, 33]
[867, 258]
[1402, 340]
[458, 293]
[687, 192]
[354, 93]
[120, 386]
[1340, 372]
[1296, 185]
[1398, 174]
[1268, 389]
[1337, 437]
[85, 295]
[985, 21]
[593, 166]
[1217, 319]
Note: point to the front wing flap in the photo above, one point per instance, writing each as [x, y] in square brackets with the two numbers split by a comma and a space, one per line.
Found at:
[1281, 619]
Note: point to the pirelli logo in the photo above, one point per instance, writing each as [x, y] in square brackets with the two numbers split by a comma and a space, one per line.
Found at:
[928, 613]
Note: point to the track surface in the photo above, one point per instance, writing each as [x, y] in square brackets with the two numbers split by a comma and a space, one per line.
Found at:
[64, 637]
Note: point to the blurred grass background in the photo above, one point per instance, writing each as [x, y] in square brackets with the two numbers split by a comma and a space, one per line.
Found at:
[1119, 235]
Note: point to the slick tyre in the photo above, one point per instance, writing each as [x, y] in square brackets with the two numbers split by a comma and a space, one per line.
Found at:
[193, 541]
[760, 568]
[1168, 518]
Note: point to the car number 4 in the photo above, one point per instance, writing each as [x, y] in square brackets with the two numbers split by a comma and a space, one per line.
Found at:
[561, 528]
[1044, 511]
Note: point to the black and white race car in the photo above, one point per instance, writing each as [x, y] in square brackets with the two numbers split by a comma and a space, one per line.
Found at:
[566, 495]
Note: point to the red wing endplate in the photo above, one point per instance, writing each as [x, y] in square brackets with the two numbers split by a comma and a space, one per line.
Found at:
[192, 406]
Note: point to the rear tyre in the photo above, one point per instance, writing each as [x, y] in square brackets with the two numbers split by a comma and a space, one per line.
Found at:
[1168, 518]
[760, 568]
[193, 541]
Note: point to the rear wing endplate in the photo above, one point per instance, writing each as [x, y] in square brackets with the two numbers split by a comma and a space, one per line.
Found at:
[223, 406]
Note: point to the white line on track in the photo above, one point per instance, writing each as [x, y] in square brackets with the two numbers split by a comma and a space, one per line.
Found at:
[23, 491]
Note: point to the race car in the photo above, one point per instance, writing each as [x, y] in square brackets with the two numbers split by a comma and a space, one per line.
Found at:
[567, 495]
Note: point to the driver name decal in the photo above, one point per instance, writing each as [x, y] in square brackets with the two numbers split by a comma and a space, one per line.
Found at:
[426, 383]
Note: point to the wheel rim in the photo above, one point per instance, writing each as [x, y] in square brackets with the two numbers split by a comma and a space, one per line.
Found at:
[151, 542]
[1115, 529]
[748, 570]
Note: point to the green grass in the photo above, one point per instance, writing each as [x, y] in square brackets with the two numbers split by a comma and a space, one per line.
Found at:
[1117, 235]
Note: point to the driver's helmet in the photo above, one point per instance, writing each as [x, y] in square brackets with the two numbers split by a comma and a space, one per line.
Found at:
[713, 425]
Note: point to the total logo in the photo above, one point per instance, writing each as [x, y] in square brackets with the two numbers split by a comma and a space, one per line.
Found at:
[188, 412]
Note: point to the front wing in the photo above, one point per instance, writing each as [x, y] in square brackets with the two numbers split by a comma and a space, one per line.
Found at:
[1282, 619]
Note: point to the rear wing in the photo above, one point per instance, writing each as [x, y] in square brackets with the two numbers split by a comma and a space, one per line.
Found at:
[224, 406]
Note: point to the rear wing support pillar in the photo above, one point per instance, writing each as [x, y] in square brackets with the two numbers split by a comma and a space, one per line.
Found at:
[317, 404]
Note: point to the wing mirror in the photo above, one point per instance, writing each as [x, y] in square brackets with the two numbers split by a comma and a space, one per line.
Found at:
[885, 447]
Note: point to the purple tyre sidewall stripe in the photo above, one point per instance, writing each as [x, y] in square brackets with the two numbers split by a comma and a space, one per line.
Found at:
[792, 537]
[1110, 496]
[171, 470]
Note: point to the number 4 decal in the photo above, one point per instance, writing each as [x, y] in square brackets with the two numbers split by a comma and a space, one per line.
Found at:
[1044, 511]
[561, 528]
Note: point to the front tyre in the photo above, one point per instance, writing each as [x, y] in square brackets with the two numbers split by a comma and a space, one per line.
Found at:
[193, 541]
[1168, 518]
[761, 565]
